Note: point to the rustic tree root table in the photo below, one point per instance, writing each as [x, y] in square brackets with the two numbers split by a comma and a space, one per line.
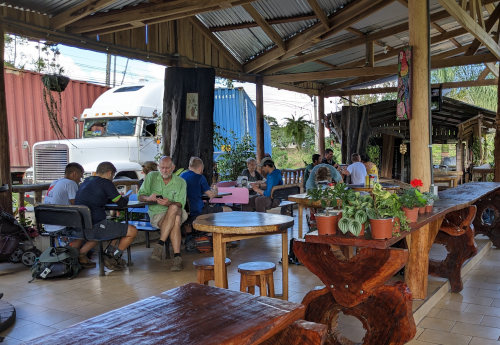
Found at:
[195, 314]
[359, 286]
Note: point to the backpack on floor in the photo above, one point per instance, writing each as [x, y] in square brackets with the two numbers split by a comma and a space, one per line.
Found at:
[56, 262]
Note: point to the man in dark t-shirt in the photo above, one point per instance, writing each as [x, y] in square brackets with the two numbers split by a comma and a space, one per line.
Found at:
[95, 192]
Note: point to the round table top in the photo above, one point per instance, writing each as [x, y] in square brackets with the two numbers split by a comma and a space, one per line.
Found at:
[242, 222]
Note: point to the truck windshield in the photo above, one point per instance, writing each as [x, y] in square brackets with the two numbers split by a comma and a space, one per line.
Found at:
[108, 127]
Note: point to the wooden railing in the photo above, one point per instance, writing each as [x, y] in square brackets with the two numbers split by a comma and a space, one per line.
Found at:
[292, 176]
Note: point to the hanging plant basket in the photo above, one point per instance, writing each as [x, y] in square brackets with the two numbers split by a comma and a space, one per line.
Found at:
[55, 82]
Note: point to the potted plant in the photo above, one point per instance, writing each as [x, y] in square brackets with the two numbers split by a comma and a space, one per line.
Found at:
[354, 214]
[411, 200]
[326, 221]
[386, 216]
[430, 198]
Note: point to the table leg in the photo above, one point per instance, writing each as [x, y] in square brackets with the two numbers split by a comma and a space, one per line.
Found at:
[301, 214]
[219, 258]
[284, 266]
[129, 253]
[417, 269]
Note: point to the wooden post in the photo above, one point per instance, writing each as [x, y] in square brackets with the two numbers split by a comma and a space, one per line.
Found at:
[479, 136]
[418, 244]
[497, 138]
[321, 127]
[260, 118]
[5, 197]
[370, 56]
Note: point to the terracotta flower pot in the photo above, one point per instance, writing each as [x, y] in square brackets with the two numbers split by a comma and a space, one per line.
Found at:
[421, 210]
[362, 233]
[382, 228]
[411, 214]
[327, 225]
[428, 208]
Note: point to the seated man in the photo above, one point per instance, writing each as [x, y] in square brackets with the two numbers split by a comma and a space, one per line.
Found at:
[309, 167]
[262, 201]
[196, 187]
[335, 176]
[329, 158]
[95, 192]
[168, 191]
[251, 171]
[356, 170]
[63, 192]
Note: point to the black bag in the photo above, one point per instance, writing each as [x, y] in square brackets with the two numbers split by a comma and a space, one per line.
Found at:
[57, 262]
[292, 259]
[8, 244]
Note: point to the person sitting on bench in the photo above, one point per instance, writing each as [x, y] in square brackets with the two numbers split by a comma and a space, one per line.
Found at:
[262, 201]
[95, 192]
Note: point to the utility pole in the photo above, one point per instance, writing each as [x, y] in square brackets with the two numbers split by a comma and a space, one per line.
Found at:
[108, 69]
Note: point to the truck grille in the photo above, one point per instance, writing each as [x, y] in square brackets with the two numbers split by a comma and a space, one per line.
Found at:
[50, 162]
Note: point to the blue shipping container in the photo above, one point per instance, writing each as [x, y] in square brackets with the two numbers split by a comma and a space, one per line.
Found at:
[234, 110]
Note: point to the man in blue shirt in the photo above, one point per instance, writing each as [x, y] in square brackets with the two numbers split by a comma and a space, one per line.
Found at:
[196, 187]
[263, 201]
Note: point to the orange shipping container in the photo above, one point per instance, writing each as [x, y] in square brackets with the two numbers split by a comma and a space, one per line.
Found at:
[27, 116]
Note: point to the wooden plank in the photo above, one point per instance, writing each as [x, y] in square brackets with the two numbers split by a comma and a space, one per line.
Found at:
[78, 12]
[470, 25]
[320, 13]
[170, 10]
[268, 29]
[259, 94]
[5, 194]
[387, 156]
[490, 23]
[321, 124]
[370, 57]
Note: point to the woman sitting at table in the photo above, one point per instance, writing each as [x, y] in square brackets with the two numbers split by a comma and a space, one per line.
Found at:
[322, 172]
[251, 171]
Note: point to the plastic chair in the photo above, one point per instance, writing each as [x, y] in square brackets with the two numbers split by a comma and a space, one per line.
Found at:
[143, 224]
[238, 195]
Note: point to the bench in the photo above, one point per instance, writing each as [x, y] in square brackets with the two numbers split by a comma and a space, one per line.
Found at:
[70, 216]
[281, 193]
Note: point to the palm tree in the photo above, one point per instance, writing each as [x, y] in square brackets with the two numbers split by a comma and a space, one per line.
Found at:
[296, 129]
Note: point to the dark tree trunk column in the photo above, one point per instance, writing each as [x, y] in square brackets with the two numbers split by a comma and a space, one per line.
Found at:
[260, 118]
[321, 127]
[5, 197]
[497, 137]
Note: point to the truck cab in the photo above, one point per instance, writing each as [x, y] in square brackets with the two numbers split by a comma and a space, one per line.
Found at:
[121, 127]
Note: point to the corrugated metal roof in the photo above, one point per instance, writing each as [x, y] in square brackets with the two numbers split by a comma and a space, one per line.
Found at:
[24, 95]
[54, 7]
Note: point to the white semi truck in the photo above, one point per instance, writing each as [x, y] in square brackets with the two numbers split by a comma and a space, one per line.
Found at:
[121, 127]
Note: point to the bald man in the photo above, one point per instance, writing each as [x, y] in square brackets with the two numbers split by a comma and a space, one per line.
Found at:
[168, 192]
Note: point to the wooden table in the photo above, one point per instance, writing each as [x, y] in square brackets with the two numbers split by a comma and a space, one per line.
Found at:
[234, 226]
[483, 172]
[452, 180]
[358, 286]
[191, 314]
[218, 196]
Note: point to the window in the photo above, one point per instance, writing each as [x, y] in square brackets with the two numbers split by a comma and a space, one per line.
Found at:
[107, 127]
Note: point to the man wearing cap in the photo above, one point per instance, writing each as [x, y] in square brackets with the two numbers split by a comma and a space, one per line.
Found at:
[262, 201]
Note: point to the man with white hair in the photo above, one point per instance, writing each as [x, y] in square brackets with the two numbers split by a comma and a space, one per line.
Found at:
[168, 191]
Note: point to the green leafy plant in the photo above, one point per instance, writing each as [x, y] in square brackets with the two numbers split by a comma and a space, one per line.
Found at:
[354, 213]
[387, 205]
[430, 198]
[235, 152]
[412, 198]
[373, 152]
[326, 196]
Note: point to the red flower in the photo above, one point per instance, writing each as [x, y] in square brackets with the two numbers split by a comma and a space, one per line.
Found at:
[416, 183]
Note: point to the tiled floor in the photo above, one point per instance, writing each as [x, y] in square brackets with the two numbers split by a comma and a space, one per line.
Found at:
[471, 317]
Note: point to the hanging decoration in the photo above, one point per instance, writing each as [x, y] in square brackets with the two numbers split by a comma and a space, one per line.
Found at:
[403, 110]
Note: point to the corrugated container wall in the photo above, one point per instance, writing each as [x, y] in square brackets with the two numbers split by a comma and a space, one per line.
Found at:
[234, 110]
[27, 116]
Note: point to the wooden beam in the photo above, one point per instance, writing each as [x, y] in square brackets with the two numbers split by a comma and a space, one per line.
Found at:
[259, 104]
[321, 127]
[319, 13]
[268, 29]
[360, 33]
[78, 12]
[171, 10]
[373, 71]
[5, 196]
[282, 20]
[370, 57]
[496, 157]
[493, 68]
[443, 31]
[331, 74]
[484, 73]
[470, 25]
[380, 90]
[350, 14]
[490, 23]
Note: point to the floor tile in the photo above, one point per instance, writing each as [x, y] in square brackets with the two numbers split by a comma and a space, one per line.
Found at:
[483, 341]
[445, 338]
[438, 324]
[476, 330]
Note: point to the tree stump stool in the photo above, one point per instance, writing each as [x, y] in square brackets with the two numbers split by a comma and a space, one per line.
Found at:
[205, 270]
[257, 273]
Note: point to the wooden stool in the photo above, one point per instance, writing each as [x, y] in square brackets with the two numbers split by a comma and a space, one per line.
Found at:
[205, 270]
[257, 273]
